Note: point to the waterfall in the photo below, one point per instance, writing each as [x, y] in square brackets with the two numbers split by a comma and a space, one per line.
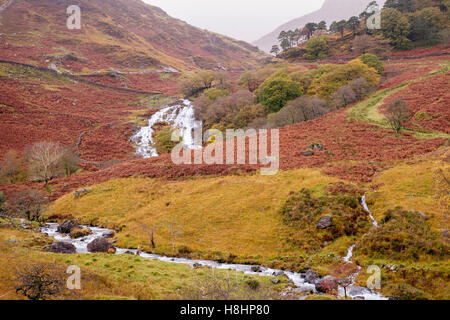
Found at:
[179, 116]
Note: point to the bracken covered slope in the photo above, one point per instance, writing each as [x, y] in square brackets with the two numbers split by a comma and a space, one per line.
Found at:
[122, 34]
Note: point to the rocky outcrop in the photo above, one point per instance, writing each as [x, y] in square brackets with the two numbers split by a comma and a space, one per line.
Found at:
[62, 247]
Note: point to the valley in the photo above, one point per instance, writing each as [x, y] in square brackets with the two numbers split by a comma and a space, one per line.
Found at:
[87, 176]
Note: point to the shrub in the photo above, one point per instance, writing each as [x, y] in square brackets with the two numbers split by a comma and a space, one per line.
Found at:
[253, 284]
[275, 92]
[302, 211]
[328, 79]
[39, 281]
[403, 235]
[372, 61]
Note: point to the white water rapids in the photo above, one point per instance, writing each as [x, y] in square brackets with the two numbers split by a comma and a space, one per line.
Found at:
[298, 279]
[179, 116]
[81, 245]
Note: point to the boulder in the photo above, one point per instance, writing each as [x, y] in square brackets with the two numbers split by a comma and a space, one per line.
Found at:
[62, 247]
[100, 245]
[327, 284]
[307, 153]
[275, 281]
[109, 234]
[311, 276]
[256, 269]
[79, 193]
[445, 233]
[278, 273]
[67, 226]
[325, 222]
[317, 146]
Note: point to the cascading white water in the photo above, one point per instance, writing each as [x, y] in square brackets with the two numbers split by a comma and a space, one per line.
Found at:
[366, 207]
[355, 291]
[180, 117]
[51, 229]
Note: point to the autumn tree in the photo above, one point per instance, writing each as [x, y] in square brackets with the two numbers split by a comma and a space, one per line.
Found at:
[276, 91]
[372, 61]
[398, 115]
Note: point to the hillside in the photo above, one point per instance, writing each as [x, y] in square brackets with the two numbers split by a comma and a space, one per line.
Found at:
[332, 10]
[364, 161]
[123, 36]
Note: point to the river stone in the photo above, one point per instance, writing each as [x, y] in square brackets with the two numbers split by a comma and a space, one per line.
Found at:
[100, 245]
[256, 269]
[277, 273]
[311, 276]
[275, 281]
[67, 226]
[62, 247]
[325, 222]
[327, 284]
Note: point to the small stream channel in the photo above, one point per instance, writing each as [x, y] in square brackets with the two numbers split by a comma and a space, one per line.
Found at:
[298, 279]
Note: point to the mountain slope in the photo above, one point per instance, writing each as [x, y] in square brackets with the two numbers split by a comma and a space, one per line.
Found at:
[332, 10]
[121, 34]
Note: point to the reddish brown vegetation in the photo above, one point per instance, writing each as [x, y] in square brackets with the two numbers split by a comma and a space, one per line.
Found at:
[429, 101]
[31, 112]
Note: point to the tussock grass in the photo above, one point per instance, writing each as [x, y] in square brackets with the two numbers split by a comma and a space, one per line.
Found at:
[108, 277]
[214, 216]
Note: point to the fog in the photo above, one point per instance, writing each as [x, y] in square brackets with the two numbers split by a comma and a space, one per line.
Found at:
[241, 19]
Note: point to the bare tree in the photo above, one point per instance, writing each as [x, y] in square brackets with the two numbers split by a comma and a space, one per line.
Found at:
[301, 109]
[174, 231]
[27, 204]
[39, 281]
[344, 96]
[398, 115]
[45, 161]
[361, 88]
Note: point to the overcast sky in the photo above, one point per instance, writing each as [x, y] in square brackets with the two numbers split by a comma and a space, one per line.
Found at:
[241, 19]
